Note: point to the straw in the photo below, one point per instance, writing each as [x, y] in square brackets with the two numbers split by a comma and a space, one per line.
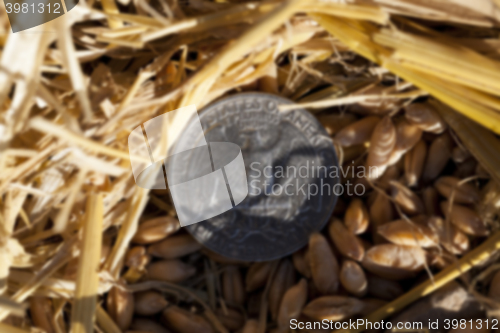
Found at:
[11, 329]
[105, 322]
[13, 307]
[361, 37]
[87, 281]
[482, 144]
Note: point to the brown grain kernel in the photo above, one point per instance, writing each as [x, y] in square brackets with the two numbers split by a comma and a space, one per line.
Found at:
[358, 132]
[407, 136]
[438, 155]
[430, 200]
[42, 313]
[353, 278]
[383, 288]
[465, 219]
[136, 272]
[183, 321]
[382, 142]
[450, 237]
[462, 193]
[170, 271]
[251, 326]
[402, 232]
[345, 241]
[134, 256]
[155, 230]
[405, 198]
[292, 303]
[351, 153]
[120, 306]
[381, 212]
[324, 265]
[466, 169]
[257, 275]
[394, 261]
[426, 117]
[232, 286]
[391, 173]
[220, 258]
[460, 154]
[414, 163]
[301, 262]
[147, 325]
[494, 290]
[333, 123]
[284, 278]
[232, 319]
[174, 247]
[439, 261]
[149, 303]
[333, 308]
[356, 217]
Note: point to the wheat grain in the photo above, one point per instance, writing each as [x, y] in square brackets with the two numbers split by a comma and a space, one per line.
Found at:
[174, 247]
[356, 217]
[148, 303]
[353, 278]
[324, 265]
[233, 289]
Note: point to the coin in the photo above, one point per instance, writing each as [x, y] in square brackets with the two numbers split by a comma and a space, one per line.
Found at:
[289, 162]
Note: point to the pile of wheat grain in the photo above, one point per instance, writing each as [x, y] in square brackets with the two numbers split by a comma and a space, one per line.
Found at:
[419, 214]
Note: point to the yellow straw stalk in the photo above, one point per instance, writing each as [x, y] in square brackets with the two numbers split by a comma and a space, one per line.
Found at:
[87, 282]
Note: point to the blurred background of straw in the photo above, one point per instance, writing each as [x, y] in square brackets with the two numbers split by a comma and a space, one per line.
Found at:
[72, 90]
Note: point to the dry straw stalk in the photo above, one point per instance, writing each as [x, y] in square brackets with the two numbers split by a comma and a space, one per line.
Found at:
[205, 78]
[14, 307]
[87, 282]
[105, 322]
[482, 144]
[4, 328]
[467, 89]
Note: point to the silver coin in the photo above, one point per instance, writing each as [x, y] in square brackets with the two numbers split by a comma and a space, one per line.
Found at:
[289, 160]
